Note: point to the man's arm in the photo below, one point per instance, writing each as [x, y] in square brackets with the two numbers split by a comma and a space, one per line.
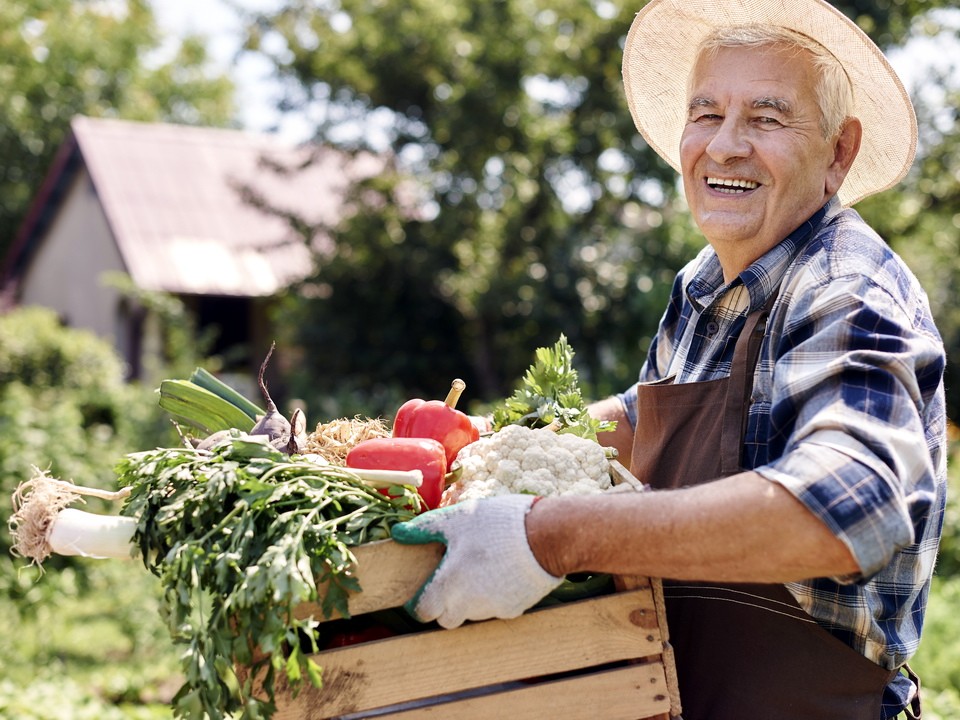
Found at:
[622, 438]
[506, 552]
[744, 528]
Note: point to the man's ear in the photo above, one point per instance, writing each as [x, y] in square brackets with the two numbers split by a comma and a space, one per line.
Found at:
[845, 148]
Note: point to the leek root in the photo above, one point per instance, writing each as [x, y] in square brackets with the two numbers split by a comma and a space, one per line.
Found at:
[42, 524]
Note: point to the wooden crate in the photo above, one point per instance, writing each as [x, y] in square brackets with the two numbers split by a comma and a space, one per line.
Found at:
[602, 658]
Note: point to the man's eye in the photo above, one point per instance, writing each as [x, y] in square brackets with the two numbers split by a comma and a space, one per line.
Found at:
[708, 117]
[764, 120]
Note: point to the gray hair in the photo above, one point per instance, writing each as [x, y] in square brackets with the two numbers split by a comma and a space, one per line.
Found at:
[833, 88]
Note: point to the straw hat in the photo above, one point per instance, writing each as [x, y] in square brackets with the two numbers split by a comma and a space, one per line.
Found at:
[660, 52]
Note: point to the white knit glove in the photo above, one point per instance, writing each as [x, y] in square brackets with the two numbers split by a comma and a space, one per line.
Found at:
[488, 570]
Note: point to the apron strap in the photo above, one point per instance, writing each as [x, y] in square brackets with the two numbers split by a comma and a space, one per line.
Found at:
[745, 357]
[913, 711]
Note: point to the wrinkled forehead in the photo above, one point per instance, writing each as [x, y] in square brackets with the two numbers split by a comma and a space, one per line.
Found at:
[767, 38]
[776, 71]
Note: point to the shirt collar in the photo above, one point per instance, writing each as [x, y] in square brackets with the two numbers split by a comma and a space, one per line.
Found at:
[763, 277]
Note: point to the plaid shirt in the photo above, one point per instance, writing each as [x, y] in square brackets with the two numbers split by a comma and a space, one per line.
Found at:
[847, 413]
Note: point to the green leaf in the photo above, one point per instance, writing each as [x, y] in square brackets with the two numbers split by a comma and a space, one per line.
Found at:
[292, 668]
[201, 408]
[550, 393]
[210, 382]
[314, 673]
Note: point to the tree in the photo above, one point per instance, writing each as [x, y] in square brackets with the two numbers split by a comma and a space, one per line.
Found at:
[540, 210]
[922, 222]
[61, 58]
[888, 22]
[921, 217]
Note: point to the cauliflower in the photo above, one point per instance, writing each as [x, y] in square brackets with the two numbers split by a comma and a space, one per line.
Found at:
[518, 459]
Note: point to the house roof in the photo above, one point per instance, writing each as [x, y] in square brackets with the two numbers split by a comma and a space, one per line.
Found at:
[173, 196]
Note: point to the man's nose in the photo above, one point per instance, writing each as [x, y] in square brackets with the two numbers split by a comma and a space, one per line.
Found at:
[730, 141]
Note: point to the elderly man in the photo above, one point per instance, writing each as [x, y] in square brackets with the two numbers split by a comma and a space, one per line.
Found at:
[790, 414]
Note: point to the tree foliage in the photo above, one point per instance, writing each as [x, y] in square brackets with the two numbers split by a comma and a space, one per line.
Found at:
[920, 218]
[66, 57]
[540, 209]
[64, 407]
[888, 22]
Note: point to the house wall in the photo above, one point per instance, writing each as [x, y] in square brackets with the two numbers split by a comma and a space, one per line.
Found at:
[65, 272]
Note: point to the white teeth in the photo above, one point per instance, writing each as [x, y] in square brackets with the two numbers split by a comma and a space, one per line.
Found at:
[731, 186]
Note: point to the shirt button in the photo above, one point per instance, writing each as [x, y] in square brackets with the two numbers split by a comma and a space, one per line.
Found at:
[712, 328]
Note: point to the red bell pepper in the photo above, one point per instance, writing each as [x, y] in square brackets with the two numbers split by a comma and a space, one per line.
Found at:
[437, 419]
[424, 454]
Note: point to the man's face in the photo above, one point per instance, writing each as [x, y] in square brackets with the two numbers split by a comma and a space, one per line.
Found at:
[754, 160]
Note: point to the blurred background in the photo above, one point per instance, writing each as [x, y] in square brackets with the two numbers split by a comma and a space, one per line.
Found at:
[397, 194]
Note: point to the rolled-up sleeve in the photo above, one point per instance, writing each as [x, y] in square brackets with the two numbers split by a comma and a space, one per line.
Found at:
[855, 390]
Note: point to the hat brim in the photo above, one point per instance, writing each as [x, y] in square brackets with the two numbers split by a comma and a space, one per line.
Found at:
[661, 48]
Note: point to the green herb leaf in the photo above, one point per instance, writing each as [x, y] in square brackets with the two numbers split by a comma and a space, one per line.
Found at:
[549, 393]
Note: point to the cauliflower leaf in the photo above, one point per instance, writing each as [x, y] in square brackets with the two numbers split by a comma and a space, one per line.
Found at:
[550, 394]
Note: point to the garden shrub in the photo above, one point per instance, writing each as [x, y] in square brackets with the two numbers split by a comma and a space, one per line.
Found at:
[65, 408]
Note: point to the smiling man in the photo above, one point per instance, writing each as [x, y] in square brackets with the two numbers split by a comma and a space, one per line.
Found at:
[789, 417]
[756, 158]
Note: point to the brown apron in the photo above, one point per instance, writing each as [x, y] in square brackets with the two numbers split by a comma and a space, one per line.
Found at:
[743, 651]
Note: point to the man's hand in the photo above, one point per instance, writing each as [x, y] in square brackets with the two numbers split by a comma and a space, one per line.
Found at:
[488, 570]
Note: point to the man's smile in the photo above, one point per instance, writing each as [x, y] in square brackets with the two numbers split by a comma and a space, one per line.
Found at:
[731, 186]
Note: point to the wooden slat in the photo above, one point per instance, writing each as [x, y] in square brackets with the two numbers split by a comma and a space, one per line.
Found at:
[621, 476]
[389, 574]
[557, 639]
[628, 693]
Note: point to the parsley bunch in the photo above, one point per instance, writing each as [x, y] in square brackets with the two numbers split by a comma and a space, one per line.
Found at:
[239, 536]
[550, 393]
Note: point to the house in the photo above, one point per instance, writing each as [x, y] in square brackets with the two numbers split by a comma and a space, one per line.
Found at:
[170, 206]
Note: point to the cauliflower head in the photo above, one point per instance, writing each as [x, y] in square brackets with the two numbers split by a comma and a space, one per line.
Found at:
[519, 459]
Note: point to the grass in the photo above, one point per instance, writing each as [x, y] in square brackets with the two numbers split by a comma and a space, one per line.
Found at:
[937, 662]
[89, 644]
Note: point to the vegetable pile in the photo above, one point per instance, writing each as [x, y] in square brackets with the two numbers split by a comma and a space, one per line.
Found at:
[239, 535]
[238, 538]
[255, 517]
[240, 528]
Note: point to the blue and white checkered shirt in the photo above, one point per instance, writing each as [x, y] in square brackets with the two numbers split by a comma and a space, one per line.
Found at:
[847, 414]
